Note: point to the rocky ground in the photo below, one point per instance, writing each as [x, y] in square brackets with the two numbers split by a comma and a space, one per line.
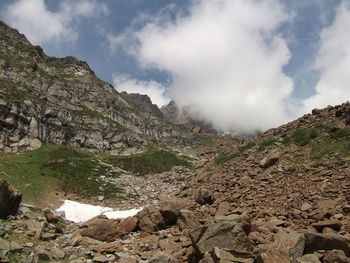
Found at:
[282, 197]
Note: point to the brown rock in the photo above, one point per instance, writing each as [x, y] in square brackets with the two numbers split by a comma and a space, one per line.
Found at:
[223, 256]
[103, 229]
[270, 159]
[128, 224]
[187, 219]
[10, 199]
[309, 258]
[50, 217]
[314, 242]
[290, 243]
[35, 228]
[224, 209]
[305, 207]
[169, 245]
[78, 240]
[107, 247]
[169, 211]
[150, 219]
[272, 256]
[335, 256]
[48, 236]
[333, 224]
[204, 196]
[225, 234]
[99, 258]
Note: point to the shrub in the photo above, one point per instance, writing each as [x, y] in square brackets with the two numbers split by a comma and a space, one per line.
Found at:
[340, 133]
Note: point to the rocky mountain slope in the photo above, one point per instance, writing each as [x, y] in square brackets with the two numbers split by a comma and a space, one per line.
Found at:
[60, 100]
[282, 197]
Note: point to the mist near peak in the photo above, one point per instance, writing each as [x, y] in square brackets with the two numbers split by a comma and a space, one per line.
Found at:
[226, 61]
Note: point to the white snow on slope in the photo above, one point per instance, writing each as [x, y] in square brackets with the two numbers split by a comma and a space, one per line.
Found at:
[78, 212]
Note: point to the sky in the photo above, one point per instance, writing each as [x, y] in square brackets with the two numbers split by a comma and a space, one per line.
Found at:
[241, 65]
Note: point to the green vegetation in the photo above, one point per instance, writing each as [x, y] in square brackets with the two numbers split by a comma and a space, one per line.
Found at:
[51, 168]
[301, 137]
[155, 161]
[339, 149]
[341, 133]
[206, 139]
[247, 147]
[265, 144]
[227, 156]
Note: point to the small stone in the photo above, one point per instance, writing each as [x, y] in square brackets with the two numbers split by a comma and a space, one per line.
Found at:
[99, 258]
[305, 207]
[57, 253]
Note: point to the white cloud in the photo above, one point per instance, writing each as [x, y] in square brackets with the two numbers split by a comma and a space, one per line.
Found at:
[153, 89]
[333, 62]
[40, 25]
[225, 59]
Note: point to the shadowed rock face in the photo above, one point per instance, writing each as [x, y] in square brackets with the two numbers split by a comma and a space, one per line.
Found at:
[61, 100]
[10, 199]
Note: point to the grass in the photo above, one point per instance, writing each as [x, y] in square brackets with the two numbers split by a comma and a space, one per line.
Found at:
[205, 139]
[42, 171]
[331, 148]
[227, 156]
[224, 157]
[301, 137]
[264, 144]
[154, 161]
[341, 133]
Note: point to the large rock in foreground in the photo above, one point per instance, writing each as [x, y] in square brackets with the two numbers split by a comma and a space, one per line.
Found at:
[225, 240]
[10, 199]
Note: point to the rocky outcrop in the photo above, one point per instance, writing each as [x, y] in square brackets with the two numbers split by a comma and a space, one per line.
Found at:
[225, 240]
[142, 102]
[10, 199]
[61, 101]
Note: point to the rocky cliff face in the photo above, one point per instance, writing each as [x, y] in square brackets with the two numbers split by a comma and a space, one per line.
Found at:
[142, 103]
[61, 100]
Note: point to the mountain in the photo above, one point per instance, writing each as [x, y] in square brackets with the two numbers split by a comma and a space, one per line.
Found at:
[62, 101]
[280, 197]
[172, 112]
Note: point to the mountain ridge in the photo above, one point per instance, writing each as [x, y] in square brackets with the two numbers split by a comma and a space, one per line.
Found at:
[61, 100]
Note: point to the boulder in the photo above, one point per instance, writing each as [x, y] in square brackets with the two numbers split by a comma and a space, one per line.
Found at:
[333, 224]
[150, 219]
[10, 199]
[103, 229]
[187, 219]
[315, 241]
[335, 256]
[224, 234]
[287, 247]
[204, 196]
[270, 159]
[169, 211]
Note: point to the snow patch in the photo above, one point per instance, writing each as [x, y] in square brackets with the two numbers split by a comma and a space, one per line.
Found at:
[78, 212]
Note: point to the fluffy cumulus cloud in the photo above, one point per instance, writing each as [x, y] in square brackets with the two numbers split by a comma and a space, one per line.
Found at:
[225, 58]
[333, 62]
[40, 25]
[153, 89]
